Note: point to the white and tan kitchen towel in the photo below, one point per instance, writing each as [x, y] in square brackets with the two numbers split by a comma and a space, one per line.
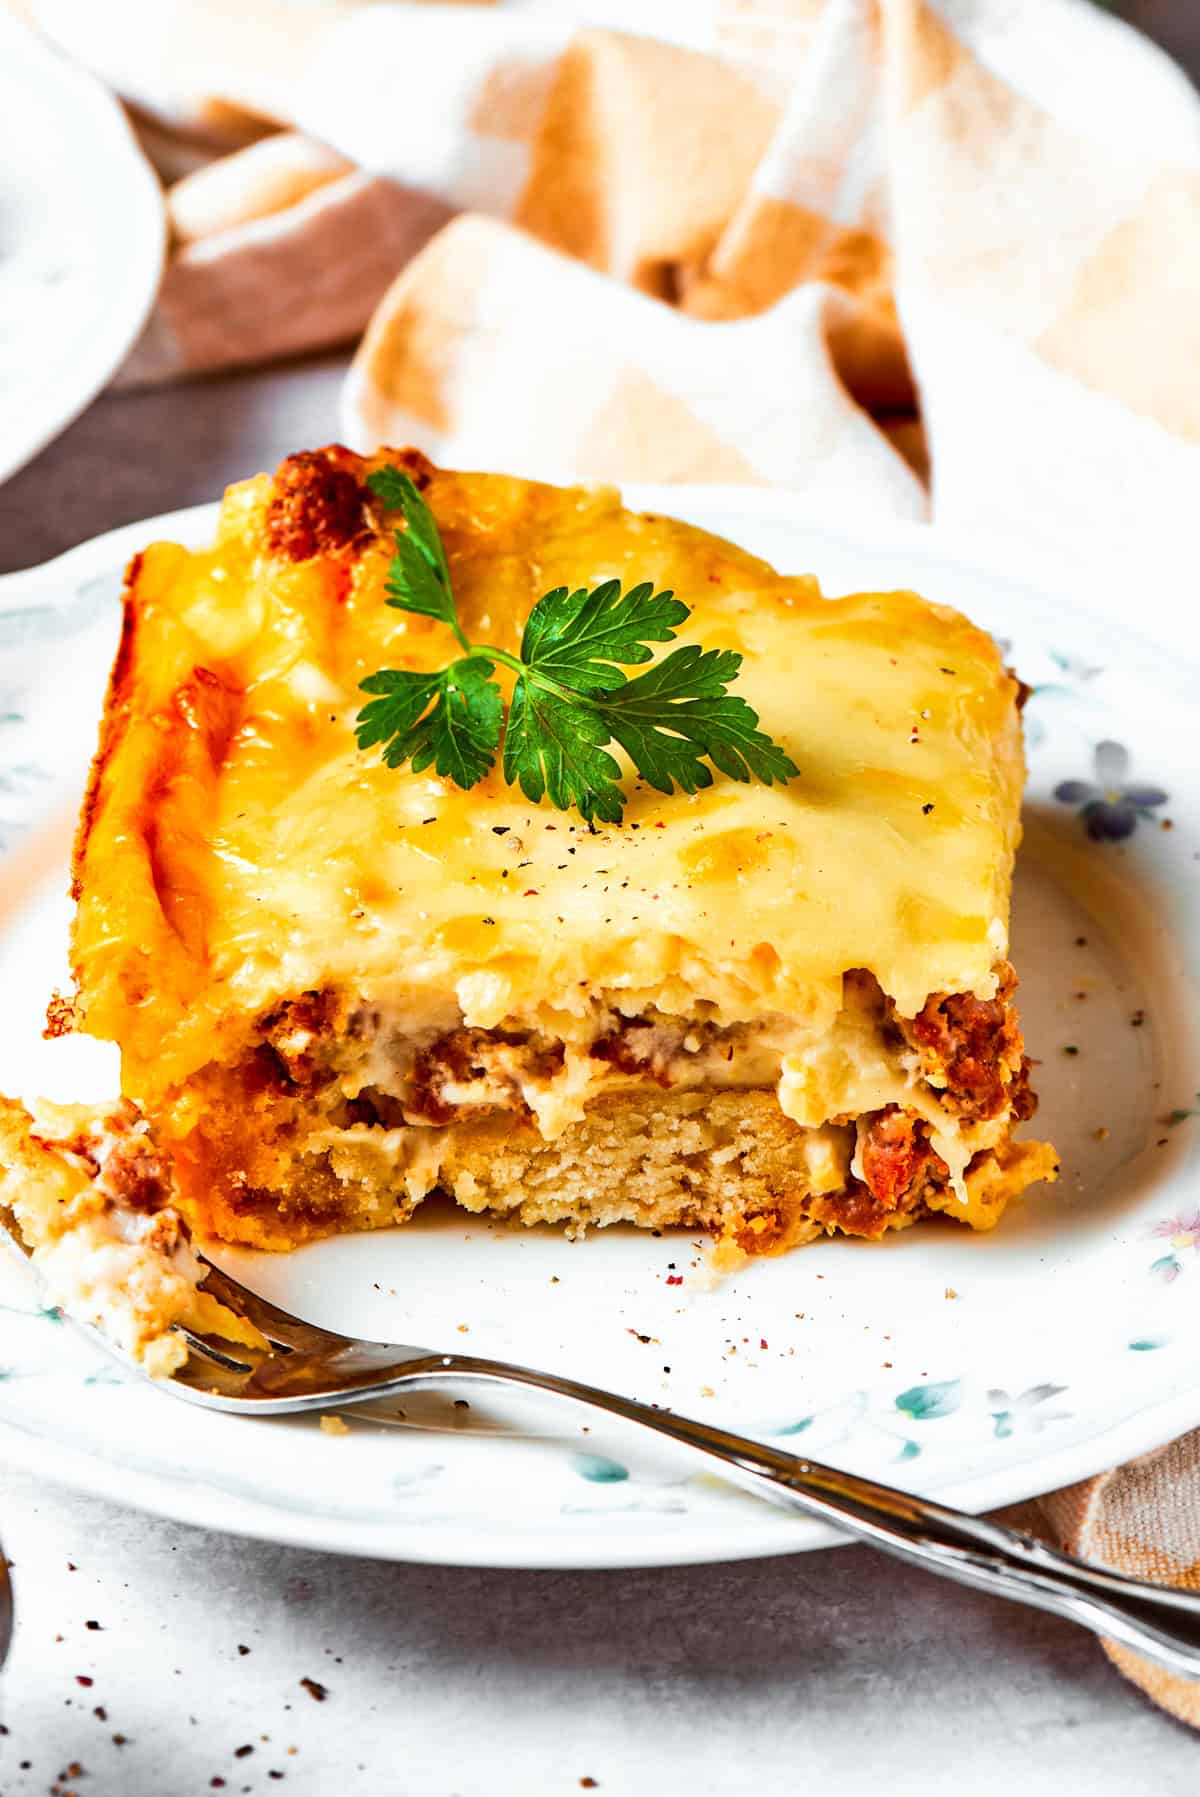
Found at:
[905, 257]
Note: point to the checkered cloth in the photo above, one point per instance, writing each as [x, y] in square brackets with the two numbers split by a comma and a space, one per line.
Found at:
[900, 256]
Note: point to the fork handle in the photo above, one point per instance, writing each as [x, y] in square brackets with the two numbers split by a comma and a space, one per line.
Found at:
[1162, 1623]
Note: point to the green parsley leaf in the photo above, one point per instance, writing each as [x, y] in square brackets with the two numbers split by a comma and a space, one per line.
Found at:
[554, 747]
[418, 578]
[451, 720]
[390, 486]
[679, 711]
[580, 639]
[571, 697]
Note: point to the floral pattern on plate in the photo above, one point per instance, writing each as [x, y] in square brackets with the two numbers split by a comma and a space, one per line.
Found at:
[1109, 805]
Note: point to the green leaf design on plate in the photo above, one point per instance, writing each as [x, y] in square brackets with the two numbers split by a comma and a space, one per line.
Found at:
[806, 1422]
[1146, 1345]
[109, 1375]
[925, 1402]
[909, 1451]
[598, 1469]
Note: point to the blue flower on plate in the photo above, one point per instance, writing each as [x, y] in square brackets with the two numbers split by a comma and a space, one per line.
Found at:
[1023, 1413]
[1110, 809]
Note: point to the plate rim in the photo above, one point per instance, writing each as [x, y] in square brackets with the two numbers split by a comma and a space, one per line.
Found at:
[449, 1545]
[1147, 1428]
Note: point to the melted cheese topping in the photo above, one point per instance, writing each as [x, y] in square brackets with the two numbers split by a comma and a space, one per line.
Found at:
[240, 848]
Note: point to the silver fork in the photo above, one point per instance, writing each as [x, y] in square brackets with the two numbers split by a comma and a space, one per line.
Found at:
[307, 1368]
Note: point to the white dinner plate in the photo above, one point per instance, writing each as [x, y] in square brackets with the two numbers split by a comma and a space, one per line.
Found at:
[81, 242]
[978, 1368]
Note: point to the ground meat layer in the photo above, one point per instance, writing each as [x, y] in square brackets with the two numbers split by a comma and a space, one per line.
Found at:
[969, 1051]
[336, 1119]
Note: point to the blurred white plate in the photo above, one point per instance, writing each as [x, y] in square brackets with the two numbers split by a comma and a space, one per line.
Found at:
[979, 1368]
[81, 242]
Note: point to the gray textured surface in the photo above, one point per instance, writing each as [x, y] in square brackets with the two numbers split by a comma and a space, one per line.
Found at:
[832, 1673]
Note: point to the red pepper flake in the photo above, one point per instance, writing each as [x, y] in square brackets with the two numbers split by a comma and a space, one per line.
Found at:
[81, 1678]
[316, 1690]
[100, 1713]
[638, 1337]
[762, 1342]
[589, 1784]
[239, 1753]
[216, 1782]
[530, 892]
[674, 1278]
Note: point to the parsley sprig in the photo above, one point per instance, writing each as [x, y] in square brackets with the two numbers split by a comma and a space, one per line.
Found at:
[571, 696]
